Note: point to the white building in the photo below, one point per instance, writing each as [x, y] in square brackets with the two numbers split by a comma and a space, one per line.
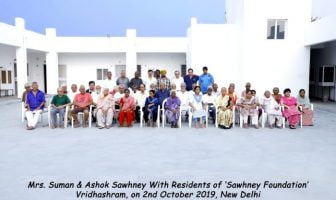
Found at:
[266, 42]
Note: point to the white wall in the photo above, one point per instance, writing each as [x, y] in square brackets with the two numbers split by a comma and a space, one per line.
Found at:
[7, 57]
[35, 62]
[168, 61]
[81, 67]
[323, 8]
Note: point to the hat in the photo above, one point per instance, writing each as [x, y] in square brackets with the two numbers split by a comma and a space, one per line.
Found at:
[163, 72]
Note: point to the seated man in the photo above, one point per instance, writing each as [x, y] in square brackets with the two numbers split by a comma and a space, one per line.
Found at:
[209, 99]
[173, 109]
[105, 107]
[162, 93]
[34, 103]
[248, 107]
[151, 108]
[140, 98]
[82, 102]
[127, 105]
[58, 105]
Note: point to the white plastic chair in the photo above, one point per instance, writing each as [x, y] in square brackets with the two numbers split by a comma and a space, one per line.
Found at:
[181, 111]
[82, 114]
[241, 120]
[65, 116]
[191, 116]
[45, 110]
[142, 118]
[284, 119]
[233, 116]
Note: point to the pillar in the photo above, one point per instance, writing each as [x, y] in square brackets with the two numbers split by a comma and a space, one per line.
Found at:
[131, 56]
[21, 58]
[52, 63]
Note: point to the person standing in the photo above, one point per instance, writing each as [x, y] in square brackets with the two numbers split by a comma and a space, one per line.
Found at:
[123, 80]
[163, 79]
[136, 82]
[177, 80]
[190, 79]
[205, 80]
[150, 79]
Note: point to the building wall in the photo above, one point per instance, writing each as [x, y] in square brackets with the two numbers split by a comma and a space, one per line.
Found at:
[7, 57]
[168, 61]
[36, 62]
[81, 67]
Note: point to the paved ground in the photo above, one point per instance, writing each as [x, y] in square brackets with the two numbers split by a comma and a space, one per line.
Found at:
[136, 154]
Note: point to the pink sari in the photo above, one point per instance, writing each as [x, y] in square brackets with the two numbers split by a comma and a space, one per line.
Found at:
[291, 113]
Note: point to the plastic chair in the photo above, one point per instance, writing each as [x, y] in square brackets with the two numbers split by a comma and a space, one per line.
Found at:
[82, 114]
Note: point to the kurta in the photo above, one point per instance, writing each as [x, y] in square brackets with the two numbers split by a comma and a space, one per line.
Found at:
[126, 110]
[291, 113]
[307, 113]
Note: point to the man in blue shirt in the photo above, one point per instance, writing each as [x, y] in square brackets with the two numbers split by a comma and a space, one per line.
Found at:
[35, 103]
[190, 79]
[205, 80]
[162, 93]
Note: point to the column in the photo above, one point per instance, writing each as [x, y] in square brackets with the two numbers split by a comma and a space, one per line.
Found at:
[131, 56]
[21, 58]
[52, 63]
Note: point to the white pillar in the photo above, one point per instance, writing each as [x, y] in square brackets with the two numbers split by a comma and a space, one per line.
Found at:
[52, 63]
[131, 56]
[21, 66]
[21, 58]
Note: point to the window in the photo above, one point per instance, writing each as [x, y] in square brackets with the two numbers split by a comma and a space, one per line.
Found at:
[9, 76]
[276, 29]
[3, 77]
[101, 74]
[183, 70]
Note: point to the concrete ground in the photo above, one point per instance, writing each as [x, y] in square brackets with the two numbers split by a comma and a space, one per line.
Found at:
[121, 154]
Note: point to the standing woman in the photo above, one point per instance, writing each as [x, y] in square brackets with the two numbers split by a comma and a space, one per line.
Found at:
[198, 108]
[151, 108]
[291, 111]
[127, 106]
[307, 113]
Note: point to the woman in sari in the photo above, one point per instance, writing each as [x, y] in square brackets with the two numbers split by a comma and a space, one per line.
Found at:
[224, 106]
[198, 108]
[291, 111]
[151, 108]
[173, 109]
[127, 106]
[307, 113]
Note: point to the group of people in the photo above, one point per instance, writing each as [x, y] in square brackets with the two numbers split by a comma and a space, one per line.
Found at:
[193, 97]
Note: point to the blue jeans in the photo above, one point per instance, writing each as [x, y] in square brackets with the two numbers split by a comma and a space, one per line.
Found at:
[53, 114]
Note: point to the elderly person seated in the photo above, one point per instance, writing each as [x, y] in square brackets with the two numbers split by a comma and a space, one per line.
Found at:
[291, 111]
[225, 106]
[105, 109]
[26, 91]
[58, 105]
[151, 108]
[198, 108]
[173, 109]
[34, 103]
[248, 108]
[273, 110]
[209, 99]
[162, 93]
[82, 103]
[184, 97]
[140, 98]
[127, 106]
[307, 113]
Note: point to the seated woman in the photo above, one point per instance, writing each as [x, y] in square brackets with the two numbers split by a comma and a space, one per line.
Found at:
[291, 111]
[198, 108]
[173, 109]
[307, 113]
[224, 105]
[151, 108]
[127, 106]
[273, 110]
[105, 108]
[248, 108]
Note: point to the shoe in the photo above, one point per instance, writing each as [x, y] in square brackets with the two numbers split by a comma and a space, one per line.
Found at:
[245, 126]
[100, 127]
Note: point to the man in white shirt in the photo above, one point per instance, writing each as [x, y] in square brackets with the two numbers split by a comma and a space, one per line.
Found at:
[71, 94]
[108, 82]
[150, 79]
[140, 98]
[209, 99]
[177, 80]
[184, 97]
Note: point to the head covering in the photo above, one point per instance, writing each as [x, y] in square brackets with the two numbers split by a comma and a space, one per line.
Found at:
[163, 72]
